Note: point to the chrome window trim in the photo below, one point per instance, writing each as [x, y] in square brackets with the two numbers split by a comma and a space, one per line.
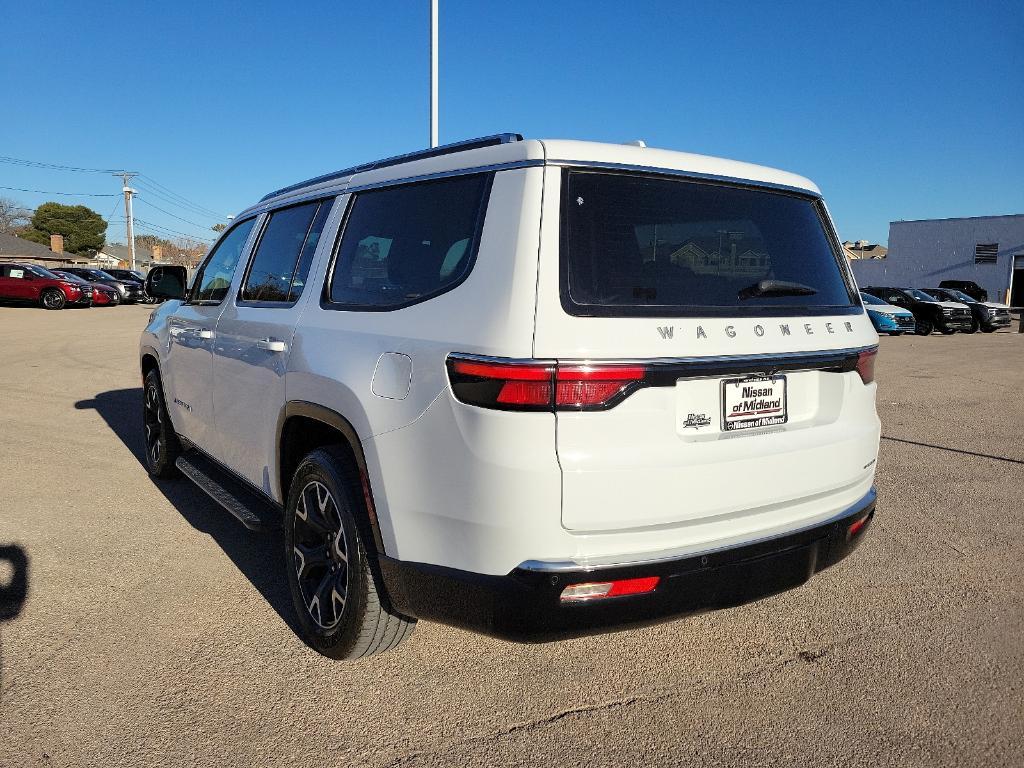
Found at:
[618, 561]
[696, 175]
[341, 186]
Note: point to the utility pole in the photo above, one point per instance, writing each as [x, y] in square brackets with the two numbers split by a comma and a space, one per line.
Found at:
[129, 221]
[433, 73]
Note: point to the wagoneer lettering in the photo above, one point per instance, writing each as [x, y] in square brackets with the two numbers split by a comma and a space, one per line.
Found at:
[617, 429]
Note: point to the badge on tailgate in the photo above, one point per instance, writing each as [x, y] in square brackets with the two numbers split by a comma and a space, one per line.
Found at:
[755, 401]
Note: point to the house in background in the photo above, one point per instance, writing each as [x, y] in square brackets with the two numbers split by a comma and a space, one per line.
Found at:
[14, 248]
[862, 249]
[117, 255]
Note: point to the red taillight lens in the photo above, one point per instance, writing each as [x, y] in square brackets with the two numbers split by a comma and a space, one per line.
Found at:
[595, 590]
[541, 385]
[582, 386]
[866, 365]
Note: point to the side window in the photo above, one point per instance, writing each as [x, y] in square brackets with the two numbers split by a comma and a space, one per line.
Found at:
[214, 279]
[281, 262]
[408, 243]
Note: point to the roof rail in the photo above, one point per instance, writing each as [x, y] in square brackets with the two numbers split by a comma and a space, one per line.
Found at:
[444, 149]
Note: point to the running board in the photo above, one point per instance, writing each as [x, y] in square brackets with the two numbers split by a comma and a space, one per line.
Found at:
[248, 506]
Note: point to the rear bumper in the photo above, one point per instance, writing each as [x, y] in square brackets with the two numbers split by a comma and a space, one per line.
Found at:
[525, 605]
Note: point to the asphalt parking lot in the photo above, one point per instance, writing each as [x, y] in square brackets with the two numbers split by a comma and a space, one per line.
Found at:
[158, 631]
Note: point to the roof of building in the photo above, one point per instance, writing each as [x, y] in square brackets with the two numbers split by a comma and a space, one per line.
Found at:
[121, 253]
[14, 247]
[863, 250]
[509, 151]
[960, 218]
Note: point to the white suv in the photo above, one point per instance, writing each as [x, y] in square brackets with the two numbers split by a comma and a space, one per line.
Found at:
[535, 389]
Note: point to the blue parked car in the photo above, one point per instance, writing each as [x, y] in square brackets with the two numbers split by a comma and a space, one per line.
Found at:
[886, 317]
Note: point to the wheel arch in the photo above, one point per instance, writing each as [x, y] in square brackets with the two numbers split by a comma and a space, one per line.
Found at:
[303, 427]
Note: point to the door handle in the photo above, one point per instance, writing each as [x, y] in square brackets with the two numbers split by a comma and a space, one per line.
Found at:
[176, 331]
[271, 345]
[203, 333]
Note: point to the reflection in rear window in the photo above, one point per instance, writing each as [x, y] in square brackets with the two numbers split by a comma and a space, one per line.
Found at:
[642, 245]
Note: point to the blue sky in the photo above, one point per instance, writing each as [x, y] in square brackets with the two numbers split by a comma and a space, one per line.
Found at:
[897, 110]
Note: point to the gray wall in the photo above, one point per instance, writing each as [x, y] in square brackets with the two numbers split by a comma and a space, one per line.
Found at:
[923, 253]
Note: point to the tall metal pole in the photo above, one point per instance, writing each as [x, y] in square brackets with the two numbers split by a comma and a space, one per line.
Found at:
[433, 73]
[129, 221]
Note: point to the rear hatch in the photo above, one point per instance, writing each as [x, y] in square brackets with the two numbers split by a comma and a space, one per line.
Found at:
[744, 353]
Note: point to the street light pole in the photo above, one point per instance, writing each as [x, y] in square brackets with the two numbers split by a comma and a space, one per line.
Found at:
[433, 73]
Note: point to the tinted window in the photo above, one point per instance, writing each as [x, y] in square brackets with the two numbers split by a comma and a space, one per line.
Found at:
[636, 245]
[405, 244]
[285, 251]
[215, 278]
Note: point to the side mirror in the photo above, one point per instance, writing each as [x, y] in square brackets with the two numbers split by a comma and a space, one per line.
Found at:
[167, 282]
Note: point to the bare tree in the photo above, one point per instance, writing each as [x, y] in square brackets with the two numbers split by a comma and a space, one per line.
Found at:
[13, 215]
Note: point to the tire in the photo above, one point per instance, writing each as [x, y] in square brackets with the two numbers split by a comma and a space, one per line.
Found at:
[989, 330]
[975, 327]
[159, 438]
[53, 298]
[339, 610]
[924, 328]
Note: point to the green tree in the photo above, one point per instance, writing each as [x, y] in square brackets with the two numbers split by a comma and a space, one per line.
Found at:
[84, 230]
[219, 227]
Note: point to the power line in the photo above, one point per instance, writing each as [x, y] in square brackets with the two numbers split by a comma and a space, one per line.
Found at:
[150, 224]
[188, 208]
[54, 166]
[158, 185]
[70, 194]
[179, 218]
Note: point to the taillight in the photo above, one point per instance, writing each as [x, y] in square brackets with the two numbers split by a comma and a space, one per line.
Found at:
[539, 385]
[866, 365]
[595, 590]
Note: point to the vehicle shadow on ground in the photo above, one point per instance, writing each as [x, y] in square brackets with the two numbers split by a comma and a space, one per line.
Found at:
[259, 556]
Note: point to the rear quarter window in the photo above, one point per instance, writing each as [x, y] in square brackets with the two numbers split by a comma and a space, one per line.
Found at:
[636, 244]
[405, 244]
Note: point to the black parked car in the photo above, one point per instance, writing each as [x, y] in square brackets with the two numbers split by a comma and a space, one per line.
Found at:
[132, 275]
[128, 291]
[969, 287]
[929, 313]
[986, 315]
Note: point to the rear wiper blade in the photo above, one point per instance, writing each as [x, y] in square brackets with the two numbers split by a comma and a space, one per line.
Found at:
[775, 288]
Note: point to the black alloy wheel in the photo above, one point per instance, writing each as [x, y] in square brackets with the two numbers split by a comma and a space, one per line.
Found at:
[53, 299]
[340, 612]
[320, 552]
[161, 441]
[924, 328]
[975, 326]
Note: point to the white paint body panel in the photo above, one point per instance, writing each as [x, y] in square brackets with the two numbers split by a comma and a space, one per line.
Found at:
[484, 490]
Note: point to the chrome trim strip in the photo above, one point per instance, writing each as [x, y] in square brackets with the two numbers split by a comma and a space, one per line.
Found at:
[615, 561]
[685, 174]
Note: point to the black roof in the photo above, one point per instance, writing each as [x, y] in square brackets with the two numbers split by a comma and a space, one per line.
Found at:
[444, 149]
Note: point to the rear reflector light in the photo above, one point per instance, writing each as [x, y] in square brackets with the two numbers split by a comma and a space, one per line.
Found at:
[858, 526]
[542, 385]
[866, 365]
[600, 589]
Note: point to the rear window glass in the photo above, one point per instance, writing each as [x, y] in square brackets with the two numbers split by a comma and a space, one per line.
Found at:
[643, 245]
[408, 243]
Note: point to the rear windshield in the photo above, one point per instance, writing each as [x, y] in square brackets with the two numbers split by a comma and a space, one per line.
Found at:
[646, 245]
[867, 298]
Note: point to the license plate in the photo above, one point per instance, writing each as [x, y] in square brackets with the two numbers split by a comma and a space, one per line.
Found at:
[756, 401]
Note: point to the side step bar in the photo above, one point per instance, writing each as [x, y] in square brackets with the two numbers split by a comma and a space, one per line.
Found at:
[249, 507]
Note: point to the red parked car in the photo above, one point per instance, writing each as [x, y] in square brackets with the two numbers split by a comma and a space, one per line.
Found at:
[102, 294]
[31, 283]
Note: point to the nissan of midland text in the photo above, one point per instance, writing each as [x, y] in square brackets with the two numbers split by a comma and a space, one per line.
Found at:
[535, 389]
